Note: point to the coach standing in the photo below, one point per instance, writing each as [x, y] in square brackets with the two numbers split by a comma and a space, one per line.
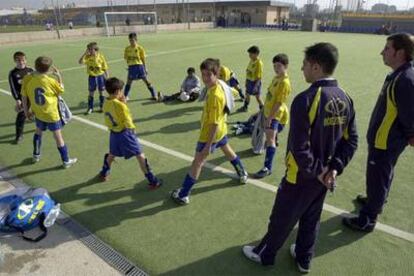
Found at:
[390, 130]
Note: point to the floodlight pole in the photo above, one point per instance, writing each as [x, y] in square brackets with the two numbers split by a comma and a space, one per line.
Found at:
[188, 14]
[56, 19]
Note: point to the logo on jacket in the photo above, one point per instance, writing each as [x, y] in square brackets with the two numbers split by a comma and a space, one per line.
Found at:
[335, 109]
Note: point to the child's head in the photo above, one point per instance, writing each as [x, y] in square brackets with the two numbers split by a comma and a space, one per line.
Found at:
[20, 59]
[43, 64]
[254, 52]
[92, 48]
[114, 86]
[133, 38]
[320, 61]
[190, 71]
[209, 70]
[280, 63]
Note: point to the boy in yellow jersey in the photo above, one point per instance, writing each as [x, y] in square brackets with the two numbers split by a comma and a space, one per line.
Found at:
[134, 55]
[275, 110]
[213, 133]
[40, 91]
[122, 140]
[97, 69]
[254, 75]
[230, 78]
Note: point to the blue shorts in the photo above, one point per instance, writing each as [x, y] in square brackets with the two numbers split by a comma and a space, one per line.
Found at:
[96, 82]
[276, 125]
[200, 145]
[250, 87]
[50, 126]
[136, 72]
[233, 82]
[124, 144]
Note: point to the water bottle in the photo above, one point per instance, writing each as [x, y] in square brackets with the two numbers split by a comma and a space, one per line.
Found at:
[52, 216]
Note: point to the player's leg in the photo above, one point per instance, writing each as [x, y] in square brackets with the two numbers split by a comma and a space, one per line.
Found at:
[37, 142]
[20, 119]
[236, 162]
[259, 100]
[92, 87]
[154, 182]
[106, 167]
[150, 88]
[271, 134]
[101, 89]
[62, 148]
[127, 88]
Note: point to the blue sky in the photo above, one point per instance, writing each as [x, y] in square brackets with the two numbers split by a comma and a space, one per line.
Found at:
[401, 4]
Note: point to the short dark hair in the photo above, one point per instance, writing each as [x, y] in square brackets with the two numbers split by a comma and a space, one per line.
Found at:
[325, 54]
[190, 70]
[93, 45]
[403, 41]
[18, 54]
[43, 64]
[253, 50]
[113, 84]
[281, 58]
[211, 64]
[132, 36]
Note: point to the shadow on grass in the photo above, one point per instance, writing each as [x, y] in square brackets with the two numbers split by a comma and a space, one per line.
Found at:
[189, 110]
[174, 128]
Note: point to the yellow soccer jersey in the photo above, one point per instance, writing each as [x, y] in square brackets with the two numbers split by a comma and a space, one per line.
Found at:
[117, 115]
[213, 113]
[42, 91]
[225, 73]
[134, 55]
[278, 92]
[254, 70]
[95, 65]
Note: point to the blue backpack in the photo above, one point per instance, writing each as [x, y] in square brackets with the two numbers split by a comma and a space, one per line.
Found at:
[24, 212]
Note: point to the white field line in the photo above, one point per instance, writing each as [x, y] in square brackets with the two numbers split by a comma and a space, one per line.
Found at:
[168, 52]
[327, 207]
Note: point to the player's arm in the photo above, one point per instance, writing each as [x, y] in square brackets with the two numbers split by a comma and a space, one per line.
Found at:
[404, 99]
[57, 74]
[105, 66]
[25, 100]
[347, 146]
[142, 55]
[299, 139]
[259, 75]
[82, 58]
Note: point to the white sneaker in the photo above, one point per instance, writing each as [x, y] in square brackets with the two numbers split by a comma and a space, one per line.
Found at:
[35, 158]
[238, 131]
[244, 177]
[180, 200]
[248, 252]
[69, 163]
[301, 268]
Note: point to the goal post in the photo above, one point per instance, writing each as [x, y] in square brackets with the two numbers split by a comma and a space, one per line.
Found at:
[119, 23]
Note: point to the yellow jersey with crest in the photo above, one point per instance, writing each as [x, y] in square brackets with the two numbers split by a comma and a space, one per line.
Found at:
[134, 55]
[42, 91]
[117, 115]
[213, 113]
[278, 92]
[225, 73]
[96, 65]
[254, 70]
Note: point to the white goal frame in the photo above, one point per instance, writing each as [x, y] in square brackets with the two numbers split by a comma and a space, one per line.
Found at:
[108, 32]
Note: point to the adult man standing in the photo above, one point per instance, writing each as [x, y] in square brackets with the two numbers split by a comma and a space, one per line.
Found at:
[390, 130]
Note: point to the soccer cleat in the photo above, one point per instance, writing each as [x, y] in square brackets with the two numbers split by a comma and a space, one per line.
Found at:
[156, 185]
[243, 177]
[126, 98]
[262, 173]
[69, 163]
[36, 158]
[18, 140]
[360, 223]
[238, 131]
[243, 109]
[160, 96]
[302, 267]
[248, 252]
[179, 200]
[103, 178]
[89, 111]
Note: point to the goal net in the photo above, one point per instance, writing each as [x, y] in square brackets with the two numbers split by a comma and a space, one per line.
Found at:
[120, 23]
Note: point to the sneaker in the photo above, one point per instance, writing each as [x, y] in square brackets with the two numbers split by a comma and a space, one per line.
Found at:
[102, 177]
[18, 140]
[243, 109]
[126, 98]
[160, 96]
[154, 186]
[89, 111]
[302, 267]
[248, 252]
[179, 200]
[238, 131]
[244, 177]
[69, 163]
[262, 173]
[360, 223]
[35, 158]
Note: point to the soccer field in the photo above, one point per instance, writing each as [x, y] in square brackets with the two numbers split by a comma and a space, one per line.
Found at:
[205, 237]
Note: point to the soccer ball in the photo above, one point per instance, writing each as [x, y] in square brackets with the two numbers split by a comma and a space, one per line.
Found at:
[184, 97]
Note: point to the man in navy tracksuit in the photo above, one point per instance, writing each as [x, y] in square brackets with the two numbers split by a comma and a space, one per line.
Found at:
[322, 140]
[390, 130]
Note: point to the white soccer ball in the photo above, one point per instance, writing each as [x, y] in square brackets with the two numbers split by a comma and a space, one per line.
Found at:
[184, 97]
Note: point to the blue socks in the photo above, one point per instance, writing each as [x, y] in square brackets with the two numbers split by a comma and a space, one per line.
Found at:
[270, 153]
[37, 142]
[238, 166]
[127, 89]
[101, 101]
[105, 168]
[90, 102]
[151, 90]
[64, 153]
[187, 185]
